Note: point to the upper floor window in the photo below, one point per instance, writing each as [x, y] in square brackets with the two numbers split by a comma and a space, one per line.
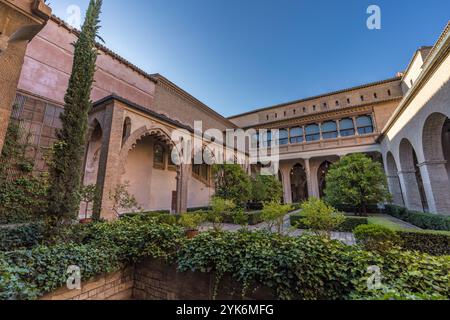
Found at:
[283, 137]
[158, 156]
[314, 108]
[296, 135]
[337, 103]
[362, 98]
[329, 130]
[312, 132]
[375, 95]
[348, 101]
[267, 139]
[389, 92]
[346, 127]
[364, 124]
[304, 109]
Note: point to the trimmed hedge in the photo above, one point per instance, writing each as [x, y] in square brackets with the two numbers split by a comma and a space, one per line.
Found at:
[20, 237]
[348, 225]
[306, 267]
[420, 219]
[433, 243]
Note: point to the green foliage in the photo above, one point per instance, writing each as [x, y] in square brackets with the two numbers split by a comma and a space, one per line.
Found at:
[376, 238]
[25, 236]
[273, 214]
[22, 194]
[89, 194]
[310, 267]
[123, 200]
[433, 243]
[191, 221]
[306, 267]
[320, 217]
[266, 188]
[232, 183]
[356, 180]
[97, 248]
[67, 161]
[219, 208]
[349, 224]
[420, 219]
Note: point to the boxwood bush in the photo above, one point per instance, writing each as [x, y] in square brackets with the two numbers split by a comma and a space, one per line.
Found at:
[420, 219]
[348, 225]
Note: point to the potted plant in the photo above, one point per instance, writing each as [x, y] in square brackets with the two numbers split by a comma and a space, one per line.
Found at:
[190, 222]
[87, 195]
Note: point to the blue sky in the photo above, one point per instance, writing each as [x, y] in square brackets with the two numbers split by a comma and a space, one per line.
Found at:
[238, 55]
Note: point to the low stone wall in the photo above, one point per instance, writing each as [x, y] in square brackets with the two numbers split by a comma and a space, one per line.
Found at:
[156, 280]
[113, 286]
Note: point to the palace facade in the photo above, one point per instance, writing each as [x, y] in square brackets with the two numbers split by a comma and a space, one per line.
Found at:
[402, 121]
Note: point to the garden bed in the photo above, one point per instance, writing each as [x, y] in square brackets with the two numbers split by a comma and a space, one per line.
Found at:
[350, 223]
[290, 267]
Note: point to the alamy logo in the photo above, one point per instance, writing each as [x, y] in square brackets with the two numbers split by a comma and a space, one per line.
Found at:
[374, 281]
[374, 20]
[74, 280]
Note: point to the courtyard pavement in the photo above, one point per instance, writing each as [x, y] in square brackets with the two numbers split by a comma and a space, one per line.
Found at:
[345, 237]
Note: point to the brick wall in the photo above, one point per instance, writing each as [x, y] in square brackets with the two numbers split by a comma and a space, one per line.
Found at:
[156, 280]
[113, 286]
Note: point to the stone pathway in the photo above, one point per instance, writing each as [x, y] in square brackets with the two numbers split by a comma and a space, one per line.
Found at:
[288, 230]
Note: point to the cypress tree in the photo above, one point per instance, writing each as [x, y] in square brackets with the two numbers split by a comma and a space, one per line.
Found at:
[68, 153]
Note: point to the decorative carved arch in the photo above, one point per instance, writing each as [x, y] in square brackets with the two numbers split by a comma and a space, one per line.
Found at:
[161, 133]
[432, 137]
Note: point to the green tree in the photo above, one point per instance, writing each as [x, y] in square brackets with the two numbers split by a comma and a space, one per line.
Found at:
[273, 214]
[356, 181]
[232, 183]
[67, 163]
[266, 188]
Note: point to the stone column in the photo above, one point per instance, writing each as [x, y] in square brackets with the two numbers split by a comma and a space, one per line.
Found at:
[436, 185]
[396, 190]
[183, 176]
[109, 164]
[309, 178]
[287, 192]
[410, 189]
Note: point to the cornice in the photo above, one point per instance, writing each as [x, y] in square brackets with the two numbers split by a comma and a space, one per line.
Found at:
[364, 86]
[323, 116]
[436, 56]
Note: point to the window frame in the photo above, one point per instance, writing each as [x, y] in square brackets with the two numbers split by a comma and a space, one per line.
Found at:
[330, 134]
[343, 132]
[316, 135]
[294, 139]
[363, 129]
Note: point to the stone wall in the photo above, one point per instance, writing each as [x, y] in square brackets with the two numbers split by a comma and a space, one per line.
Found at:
[156, 280]
[113, 286]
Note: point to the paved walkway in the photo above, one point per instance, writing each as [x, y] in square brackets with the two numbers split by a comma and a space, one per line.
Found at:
[288, 230]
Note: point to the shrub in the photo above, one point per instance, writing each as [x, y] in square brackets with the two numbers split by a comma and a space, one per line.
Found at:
[433, 243]
[420, 219]
[191, 221]
[320, 217]
[310, 267]
[306, 267]
[266, 188]
[21, 237]
[232, 183]
[376, 238]
[358, 181]
[219, 208]
[273, 214]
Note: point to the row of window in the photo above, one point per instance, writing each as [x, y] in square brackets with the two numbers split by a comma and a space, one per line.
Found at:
[325, 105]
[314, 132]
